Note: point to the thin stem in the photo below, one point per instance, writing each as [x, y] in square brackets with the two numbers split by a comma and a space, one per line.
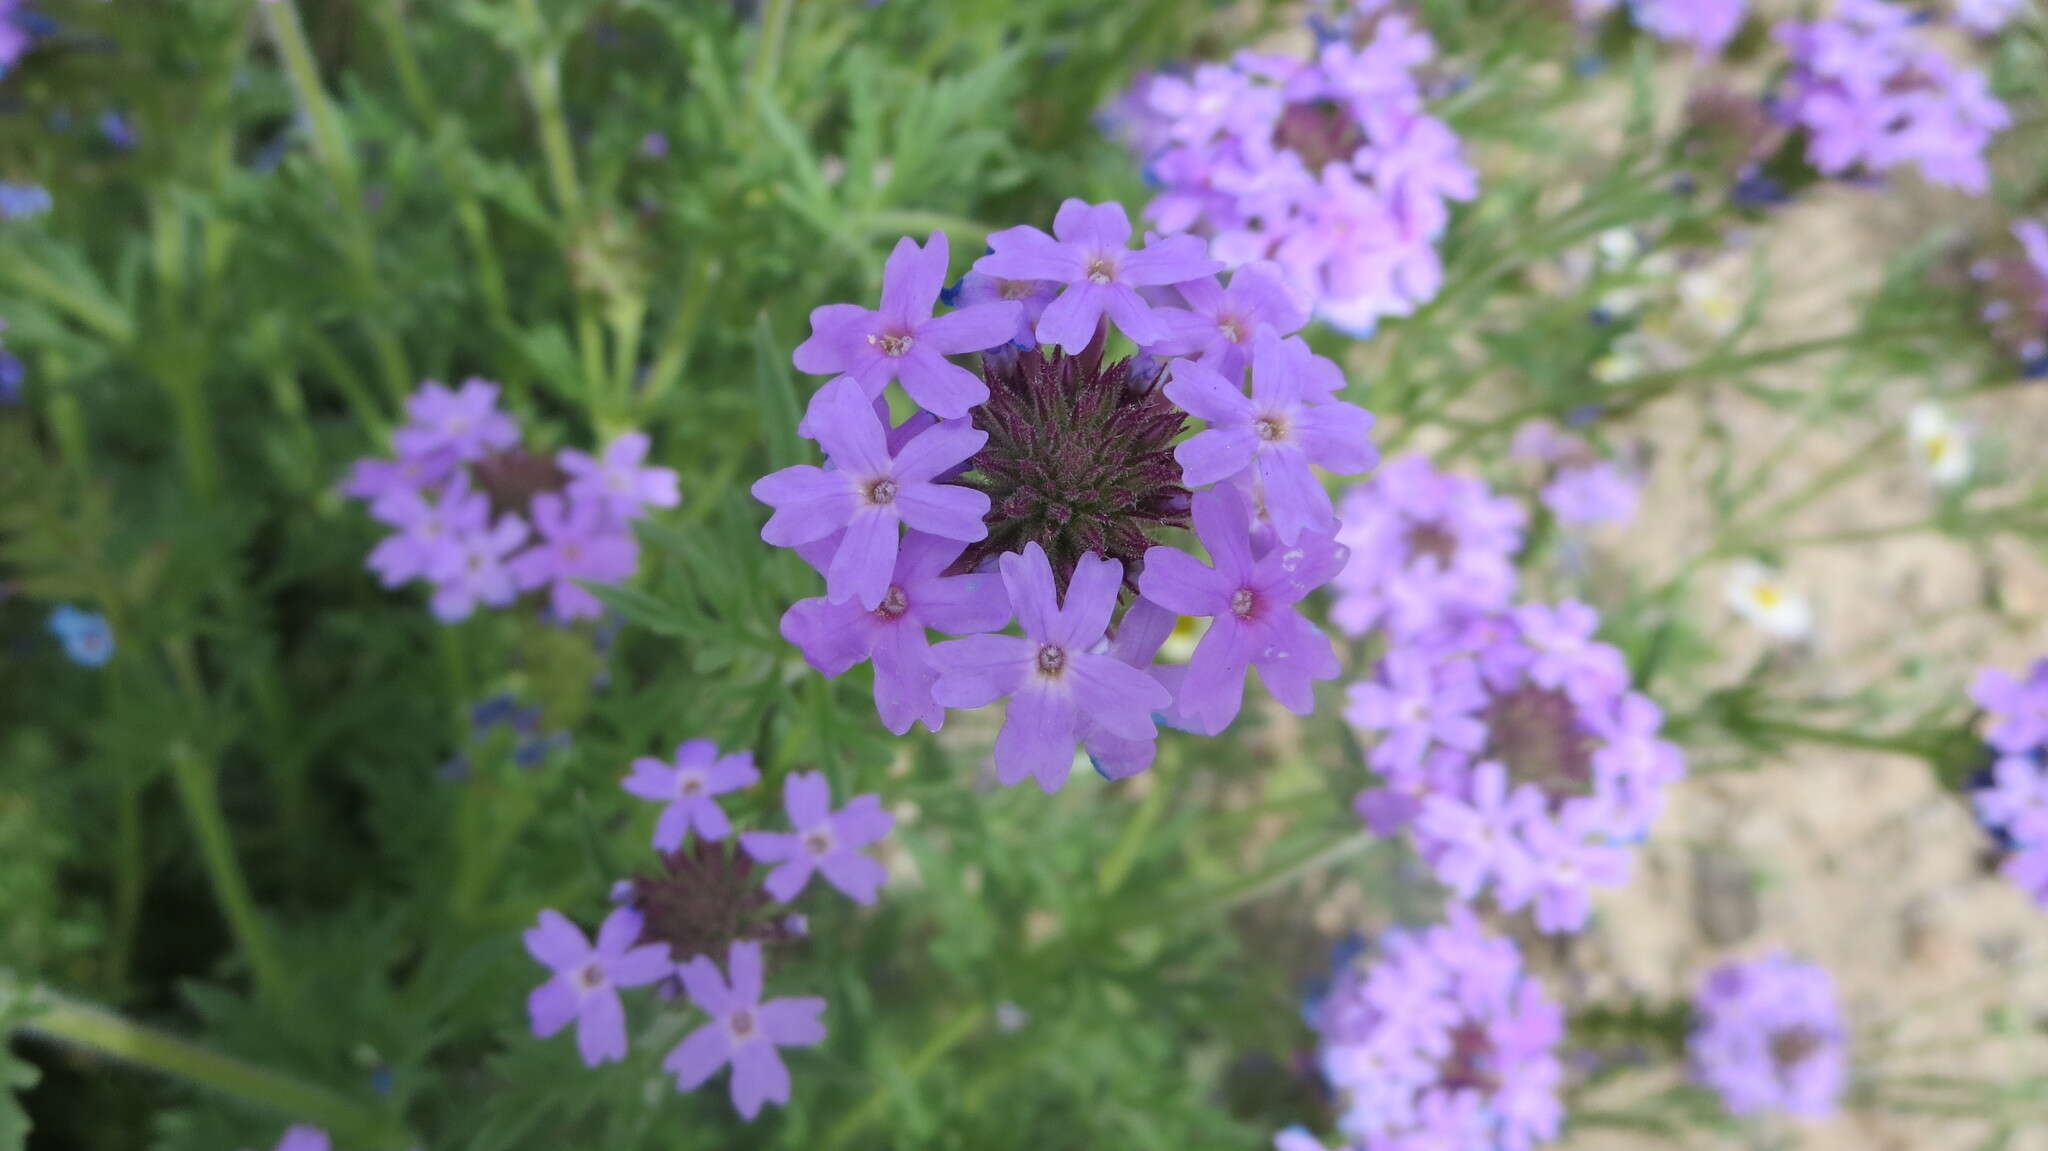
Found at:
[70, 1021]
[201, 798]
[1120, 861]
[1910, 743]
[963, 1024]
[128, 878]
[331, 148]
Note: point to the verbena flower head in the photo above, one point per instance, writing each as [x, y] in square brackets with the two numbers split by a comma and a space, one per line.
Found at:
[1872, 96]
[1708, 25]
[1441, 1039]
[1045, 503]
[744, 1030]
[85, 635]
[824, 841]
[689, 786]
[587, 976]
[1770, 1037]
[1428, 550]
[1517, 758]
[1327, 166]
[480, 519]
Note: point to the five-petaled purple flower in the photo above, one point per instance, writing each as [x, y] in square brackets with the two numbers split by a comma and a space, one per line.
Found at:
[836, 636]
[1250, 600]
[580, 540]
[824, 840]
[616, 480]
[1088, 252]
[1217, 326]
[903, 341]
[1055, 681]
[587, 978]
[867, 491]
[690, 786]
[743, 1030]
[1278, 430]
[466, 422]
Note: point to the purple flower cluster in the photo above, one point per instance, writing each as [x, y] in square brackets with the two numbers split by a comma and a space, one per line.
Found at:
[1514, 753]
[1039, 491]
[1708, 25]
[2015, 290]
[482, 520]
[1441, 1040]
[1770, 1037]
[1872, 95]
[1328, 166]
[2014, 801]
[708, 899]
[1580, 487]
[1429, 550]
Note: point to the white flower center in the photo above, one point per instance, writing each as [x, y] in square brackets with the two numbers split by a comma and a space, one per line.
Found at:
[1101, 270]
[1270, 428]
[892, 343]
[1241, 603]
[882, 491]
[1052, 660]
[690, 784]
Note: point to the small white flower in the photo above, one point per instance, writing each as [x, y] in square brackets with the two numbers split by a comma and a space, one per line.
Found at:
[1938, 443]
[1760, 596]
[1710, 301]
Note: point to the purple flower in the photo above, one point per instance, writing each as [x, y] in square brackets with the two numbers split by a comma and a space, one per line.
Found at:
[836, 636]
[375, 480]
[587, 978]
[14, 39]
[2017, 710]
[824, 840]
[465, 423]
[1088, 253]
[1564, 654]
[902, 341]
[1477, 838]
[1770, 1037]
[616, 480]
[1428, 550]
[479, 570]
[743, 1030]
[868, 490]
[1278, 431]
[1051, 675]
[21, 201]
[579, 541]
[1217, 326]
[690, 786]
[430, 532]
[2016, 801]
[304, 1137]
[1597, 493]
[1567, 856]
[1250, 602]
[1708, 25]
[1419, 702]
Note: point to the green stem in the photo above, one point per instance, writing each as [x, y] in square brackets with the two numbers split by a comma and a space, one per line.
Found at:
[1125, 855]
[69, 1021]
[201, 798]
[1911, 743]
[331, 148]
[681, 338]
[128, 879]
[956, 1031]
